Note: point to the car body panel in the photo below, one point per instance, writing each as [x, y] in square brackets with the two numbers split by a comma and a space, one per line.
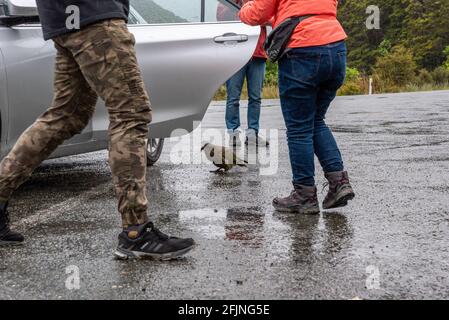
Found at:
[29, 68]
[181, 64]
[183, 67]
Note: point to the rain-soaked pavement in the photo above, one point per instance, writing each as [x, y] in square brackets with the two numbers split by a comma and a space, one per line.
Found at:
[390, 242]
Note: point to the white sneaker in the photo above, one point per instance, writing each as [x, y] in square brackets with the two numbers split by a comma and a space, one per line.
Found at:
[255, 140]
[234, 138]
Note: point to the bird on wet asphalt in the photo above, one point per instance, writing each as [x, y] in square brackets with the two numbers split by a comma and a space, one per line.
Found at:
[223, 158]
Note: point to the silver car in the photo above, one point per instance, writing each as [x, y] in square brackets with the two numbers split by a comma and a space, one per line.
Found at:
[185, 52]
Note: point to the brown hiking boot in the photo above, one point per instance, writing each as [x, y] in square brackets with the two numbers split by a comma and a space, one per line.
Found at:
[340, 190]
[302, 200]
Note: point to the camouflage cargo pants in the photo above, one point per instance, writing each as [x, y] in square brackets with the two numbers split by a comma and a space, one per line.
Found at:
[99, 60]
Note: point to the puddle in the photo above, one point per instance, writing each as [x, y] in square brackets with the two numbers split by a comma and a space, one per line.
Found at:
[248, 227]
[279, 237]
[235, 224]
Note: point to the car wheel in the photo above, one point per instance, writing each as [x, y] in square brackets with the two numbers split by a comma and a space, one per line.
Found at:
[154, 151]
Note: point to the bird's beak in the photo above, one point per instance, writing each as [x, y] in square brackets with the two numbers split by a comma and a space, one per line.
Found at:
[202, 148]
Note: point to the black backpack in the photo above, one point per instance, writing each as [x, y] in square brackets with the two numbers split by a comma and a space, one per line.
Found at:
[279, 38]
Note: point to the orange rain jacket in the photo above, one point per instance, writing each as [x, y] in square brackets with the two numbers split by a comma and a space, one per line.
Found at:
[315, 31]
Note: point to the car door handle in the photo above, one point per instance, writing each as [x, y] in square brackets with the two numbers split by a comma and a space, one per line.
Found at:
[231, 37]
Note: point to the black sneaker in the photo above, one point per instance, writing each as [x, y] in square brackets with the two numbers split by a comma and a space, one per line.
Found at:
[146, 241]
[7, 236]
[10, 238]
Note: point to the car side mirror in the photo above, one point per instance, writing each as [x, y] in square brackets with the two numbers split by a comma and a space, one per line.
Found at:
[21, 8]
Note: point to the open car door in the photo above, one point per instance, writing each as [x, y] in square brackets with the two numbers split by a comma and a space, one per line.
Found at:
[187, 50]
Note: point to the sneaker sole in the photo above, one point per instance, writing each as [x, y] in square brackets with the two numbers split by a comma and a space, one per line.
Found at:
[297, 210]
[123, 254]
[341, 202]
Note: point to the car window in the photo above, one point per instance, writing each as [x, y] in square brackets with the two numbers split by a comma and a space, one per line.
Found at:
[216, 10]
[182, 11]
[134, 17]
[168, 11]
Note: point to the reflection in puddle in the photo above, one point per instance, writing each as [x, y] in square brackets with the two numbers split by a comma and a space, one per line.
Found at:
[313, 236]
[207, 222]
[244, 225]
[248, 227]
[280, 237]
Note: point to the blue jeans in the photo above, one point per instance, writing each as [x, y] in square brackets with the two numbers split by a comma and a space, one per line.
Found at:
[308, 82]
[254, 72]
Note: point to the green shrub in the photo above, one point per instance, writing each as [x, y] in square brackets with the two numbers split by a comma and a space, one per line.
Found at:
[384, 48]
[396, 69]
[424, 78]
[271, 74]
[440, 76]
[351, 88]
[220, 94]
[352, 74]
[382, 85]
[353, 84]
[446, 52]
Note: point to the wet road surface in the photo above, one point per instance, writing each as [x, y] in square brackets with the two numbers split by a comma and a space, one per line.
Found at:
[390, 242]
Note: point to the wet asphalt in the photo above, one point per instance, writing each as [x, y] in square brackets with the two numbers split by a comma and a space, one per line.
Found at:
[390, 242]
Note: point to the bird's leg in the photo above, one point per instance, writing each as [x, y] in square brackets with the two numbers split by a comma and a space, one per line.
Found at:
[217, 171]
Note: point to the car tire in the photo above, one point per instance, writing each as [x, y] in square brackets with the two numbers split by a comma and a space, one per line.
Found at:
[154, 151]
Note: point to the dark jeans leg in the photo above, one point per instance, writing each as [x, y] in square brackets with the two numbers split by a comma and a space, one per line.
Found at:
[298, 100]
[234, 90]
[326, 148]
[308, 82]
[255, 77]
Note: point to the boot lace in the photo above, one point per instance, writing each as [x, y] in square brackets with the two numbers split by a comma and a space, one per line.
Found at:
[343, 180]
[325, 185]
